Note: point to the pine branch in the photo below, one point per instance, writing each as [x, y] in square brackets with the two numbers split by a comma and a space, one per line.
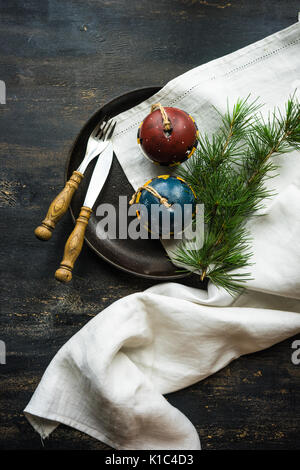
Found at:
[228, 174]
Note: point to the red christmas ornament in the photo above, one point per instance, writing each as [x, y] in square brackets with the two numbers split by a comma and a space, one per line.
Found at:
[168, 136]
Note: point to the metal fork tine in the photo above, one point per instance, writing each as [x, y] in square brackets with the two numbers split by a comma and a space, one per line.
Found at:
[98, 127]
[111, 131]
[104, 130]
[100, 130]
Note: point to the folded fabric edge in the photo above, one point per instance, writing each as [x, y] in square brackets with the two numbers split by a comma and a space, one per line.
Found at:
[45, 422]
[38, 422]
[45, 425]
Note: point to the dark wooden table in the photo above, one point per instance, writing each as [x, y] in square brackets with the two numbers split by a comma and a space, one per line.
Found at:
[61, 60]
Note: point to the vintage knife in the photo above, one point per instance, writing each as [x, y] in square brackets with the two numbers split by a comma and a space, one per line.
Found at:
[75, 241]
[96, 144]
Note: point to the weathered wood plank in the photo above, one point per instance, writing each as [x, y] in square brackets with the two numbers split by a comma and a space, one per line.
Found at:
[61, 60]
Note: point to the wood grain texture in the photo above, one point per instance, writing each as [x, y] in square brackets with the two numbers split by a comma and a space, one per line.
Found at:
[61, 60]
[58, 207]
[73, 246]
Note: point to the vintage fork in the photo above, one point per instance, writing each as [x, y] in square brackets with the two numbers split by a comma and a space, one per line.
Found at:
[97, 143]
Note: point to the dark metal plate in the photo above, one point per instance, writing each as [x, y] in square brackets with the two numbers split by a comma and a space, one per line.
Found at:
[145, 258]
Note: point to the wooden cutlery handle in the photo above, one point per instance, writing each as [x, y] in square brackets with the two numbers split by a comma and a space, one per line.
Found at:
[73, 246]
[58, 207]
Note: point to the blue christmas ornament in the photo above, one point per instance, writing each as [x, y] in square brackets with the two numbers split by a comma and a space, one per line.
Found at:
[167, 205]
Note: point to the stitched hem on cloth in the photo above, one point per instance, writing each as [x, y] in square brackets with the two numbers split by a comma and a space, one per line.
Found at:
[238, 53]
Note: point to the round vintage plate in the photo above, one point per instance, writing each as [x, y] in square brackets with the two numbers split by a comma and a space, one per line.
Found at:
[145, 258]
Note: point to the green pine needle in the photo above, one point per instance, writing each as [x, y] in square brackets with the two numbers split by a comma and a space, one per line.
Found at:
[227, 173]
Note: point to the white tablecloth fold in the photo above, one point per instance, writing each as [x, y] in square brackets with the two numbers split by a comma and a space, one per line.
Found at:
[109, 379]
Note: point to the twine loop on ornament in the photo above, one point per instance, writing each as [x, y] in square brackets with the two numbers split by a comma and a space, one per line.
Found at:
[166, 121]
[162, 200]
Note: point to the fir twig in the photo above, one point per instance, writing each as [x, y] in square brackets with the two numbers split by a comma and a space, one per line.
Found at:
[227, 174]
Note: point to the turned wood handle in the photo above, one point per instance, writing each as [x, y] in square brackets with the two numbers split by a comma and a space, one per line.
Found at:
[58, 207]
[73, 246]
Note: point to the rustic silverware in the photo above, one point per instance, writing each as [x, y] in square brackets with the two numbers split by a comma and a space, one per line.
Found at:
[75, 241]
[97, 143]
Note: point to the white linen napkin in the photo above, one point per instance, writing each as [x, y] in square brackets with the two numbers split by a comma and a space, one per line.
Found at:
[109, 379]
